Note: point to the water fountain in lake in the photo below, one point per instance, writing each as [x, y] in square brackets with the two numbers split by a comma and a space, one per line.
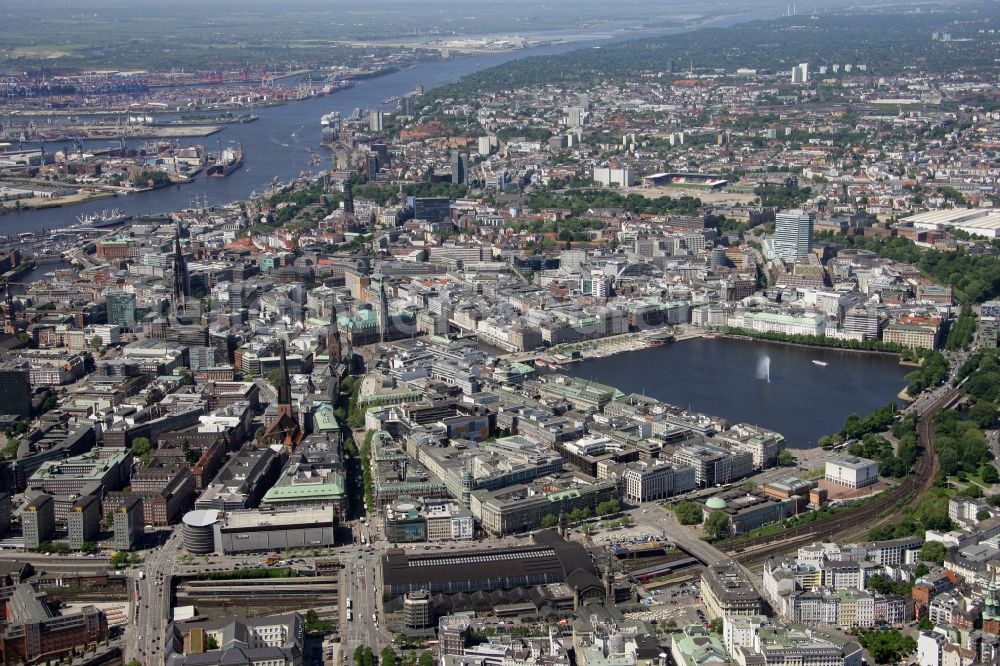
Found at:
[764, 368]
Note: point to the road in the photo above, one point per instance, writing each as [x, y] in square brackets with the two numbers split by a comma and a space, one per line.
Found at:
[59, 563]
[360, 585]
[681, 535]
[144, 633]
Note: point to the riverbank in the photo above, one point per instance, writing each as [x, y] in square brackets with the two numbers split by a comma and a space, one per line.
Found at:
[94, 132]
[54, 202]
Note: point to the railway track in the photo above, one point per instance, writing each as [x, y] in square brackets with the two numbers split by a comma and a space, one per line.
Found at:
[883, 510]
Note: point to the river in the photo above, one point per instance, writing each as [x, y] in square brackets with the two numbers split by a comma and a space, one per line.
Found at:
[727, 378]
[278, 144]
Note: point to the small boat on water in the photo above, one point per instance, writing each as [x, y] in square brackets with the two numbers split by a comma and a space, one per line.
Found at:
[821, 363]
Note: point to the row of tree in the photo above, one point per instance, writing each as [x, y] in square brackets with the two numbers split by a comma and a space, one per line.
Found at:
[580, 201]
[815, 340]
[605, 508]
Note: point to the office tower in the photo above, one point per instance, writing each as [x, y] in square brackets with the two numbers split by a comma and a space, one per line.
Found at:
[408, 105]
[382, 150]
[793, 234]
[128, 523]
[15, 389]
[459, 165]
[375, 120]
[485, 145]
[800, 73]
[84, 521]
[121, 308]
[5, 508]
[717, 258]
[371, 166]
[38, 521]
[432, 209]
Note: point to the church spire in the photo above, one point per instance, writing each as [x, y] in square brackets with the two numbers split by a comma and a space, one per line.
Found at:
[991, 605]
[348, 196]
[284, 384]
[333, 344]
[182, 285]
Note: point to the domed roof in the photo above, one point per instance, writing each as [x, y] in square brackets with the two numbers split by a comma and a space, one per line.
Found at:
[715, 503]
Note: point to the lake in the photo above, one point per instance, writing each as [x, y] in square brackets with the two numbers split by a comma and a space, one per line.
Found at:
[728, 378]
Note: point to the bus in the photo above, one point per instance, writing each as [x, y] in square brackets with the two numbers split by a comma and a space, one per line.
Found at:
[348, 602]
[350, 616]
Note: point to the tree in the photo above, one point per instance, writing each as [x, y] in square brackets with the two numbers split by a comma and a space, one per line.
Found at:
[608, 507]
[88, 547]
[117, 560]
[984, 414]
[988, 473]
[9, 450]
[141, 445]
[211, 643]
[314, 625]
[426, 659]
[96, 341]
[983, 514]
[549, 520]
[886, 647]
[715, 626]
[688, 513]
[717, 526]
[785, 458]
[934, 551]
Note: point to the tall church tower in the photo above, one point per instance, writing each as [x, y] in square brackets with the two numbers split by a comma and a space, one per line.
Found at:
[284, 426]
[382, 307]
[333, 346]
[182, 281]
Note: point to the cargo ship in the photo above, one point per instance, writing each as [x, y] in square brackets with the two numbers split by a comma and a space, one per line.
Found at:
[104, 218]
[228, 161]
